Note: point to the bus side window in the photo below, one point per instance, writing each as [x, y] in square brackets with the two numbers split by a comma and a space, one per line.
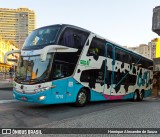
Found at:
[128, 58]
[109, 52]
[97, 47]
[67, 38]
[73, 38]
[64, 64]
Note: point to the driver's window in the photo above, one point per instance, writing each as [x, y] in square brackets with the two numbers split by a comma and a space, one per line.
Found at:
[62, 69]
[63, 65]
[97, 47]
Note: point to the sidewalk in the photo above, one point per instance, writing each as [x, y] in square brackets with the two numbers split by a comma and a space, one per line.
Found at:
[6, 83]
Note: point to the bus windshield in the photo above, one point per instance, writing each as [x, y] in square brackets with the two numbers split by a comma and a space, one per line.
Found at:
[32, 69]
[42, 36]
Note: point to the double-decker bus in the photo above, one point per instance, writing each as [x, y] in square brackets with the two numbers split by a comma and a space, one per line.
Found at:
[68, 64]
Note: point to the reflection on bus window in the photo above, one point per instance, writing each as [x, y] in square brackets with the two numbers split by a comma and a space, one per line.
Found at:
[43, 36]
[33, 68]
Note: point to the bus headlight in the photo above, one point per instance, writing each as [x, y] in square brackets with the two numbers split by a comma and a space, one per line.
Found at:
[42, 97]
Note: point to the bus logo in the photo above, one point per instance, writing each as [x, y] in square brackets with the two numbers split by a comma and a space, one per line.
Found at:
[84, 62]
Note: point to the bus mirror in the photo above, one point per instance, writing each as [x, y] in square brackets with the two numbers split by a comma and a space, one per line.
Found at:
[44, 52]
[10, 52]
[53, 48]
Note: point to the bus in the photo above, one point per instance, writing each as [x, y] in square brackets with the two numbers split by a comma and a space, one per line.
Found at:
[67, 64]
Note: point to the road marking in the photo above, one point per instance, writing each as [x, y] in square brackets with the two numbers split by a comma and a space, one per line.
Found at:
[8, 101]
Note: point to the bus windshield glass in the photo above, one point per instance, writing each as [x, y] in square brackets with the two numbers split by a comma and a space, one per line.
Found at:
[32, 69]
[42, 36]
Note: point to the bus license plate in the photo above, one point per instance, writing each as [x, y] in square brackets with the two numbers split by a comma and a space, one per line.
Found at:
[24, 98]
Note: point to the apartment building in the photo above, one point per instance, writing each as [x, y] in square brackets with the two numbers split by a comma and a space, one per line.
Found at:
[146, 50]
[16, 24]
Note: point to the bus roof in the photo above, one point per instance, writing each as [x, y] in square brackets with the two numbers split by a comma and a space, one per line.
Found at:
[85, 30]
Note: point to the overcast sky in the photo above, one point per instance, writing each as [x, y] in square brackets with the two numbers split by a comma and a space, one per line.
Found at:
[126, 22]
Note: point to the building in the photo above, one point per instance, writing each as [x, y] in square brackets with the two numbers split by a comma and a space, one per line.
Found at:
[6, 46]
[135, 49]
[16, 24]
[146, 50]
[152, 46]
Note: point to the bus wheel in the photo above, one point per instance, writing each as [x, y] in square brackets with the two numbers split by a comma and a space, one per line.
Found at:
[136, 96]
[81, 98]
[141, 95]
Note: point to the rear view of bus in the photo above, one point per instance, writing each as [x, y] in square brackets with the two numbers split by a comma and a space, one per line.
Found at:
[68, 64]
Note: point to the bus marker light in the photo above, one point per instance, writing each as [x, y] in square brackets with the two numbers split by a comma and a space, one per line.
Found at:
[39, 86]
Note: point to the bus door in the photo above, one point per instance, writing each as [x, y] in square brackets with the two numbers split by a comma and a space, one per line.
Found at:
[109, 71]
[59, 91]
[60, 81]
[63, 68]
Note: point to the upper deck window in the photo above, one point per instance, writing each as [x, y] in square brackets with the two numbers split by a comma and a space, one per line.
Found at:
[97, 47]
[73, 38]
[42, 36]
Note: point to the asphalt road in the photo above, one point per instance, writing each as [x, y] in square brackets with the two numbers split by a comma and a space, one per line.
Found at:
[110, 114]
[6, 94]
[21, 114]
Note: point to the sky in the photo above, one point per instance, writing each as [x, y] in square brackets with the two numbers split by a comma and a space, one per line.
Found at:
[126, 22]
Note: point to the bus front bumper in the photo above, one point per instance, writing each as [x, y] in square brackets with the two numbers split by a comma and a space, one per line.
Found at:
[40, 98]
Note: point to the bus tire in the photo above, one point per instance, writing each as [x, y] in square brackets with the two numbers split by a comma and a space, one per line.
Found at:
[141, 95]
[136, 96]
[81, 98]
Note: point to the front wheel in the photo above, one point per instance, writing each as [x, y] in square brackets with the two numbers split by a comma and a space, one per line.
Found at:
[136, 96]
[81, 98]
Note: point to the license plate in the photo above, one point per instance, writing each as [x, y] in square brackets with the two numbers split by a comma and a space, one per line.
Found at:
[24, 98]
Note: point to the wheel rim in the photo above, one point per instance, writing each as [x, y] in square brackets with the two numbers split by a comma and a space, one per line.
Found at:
[141, 95]
[135, 96]
[82, 98]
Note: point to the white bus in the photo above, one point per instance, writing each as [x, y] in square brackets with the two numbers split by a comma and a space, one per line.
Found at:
[68, 64]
